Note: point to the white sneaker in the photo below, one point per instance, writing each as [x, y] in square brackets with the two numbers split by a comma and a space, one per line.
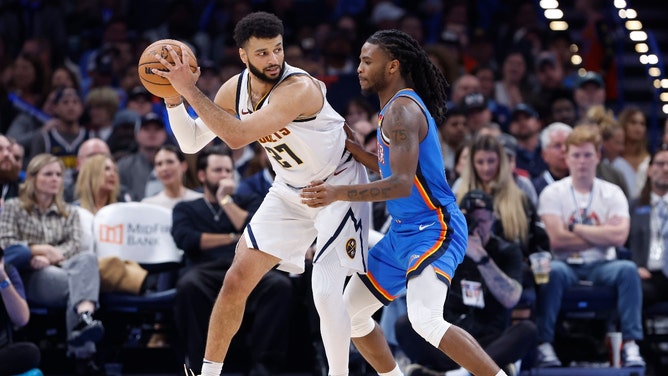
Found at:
[547, 357]
[631, 355]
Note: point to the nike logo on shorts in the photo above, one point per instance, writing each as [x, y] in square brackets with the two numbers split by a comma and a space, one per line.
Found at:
[422, 227]
[340, 171]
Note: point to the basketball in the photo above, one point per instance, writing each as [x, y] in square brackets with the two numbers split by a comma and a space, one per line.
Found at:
[157, 85]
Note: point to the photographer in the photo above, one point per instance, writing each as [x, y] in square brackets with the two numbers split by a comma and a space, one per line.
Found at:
[20, 357]
[484, 290]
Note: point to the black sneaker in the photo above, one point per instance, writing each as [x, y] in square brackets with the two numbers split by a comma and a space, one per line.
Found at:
[87, 329]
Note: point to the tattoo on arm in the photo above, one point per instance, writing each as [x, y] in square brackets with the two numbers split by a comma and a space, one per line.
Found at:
[400, 134]
[500, 285]
[503, 287]
[369, 194]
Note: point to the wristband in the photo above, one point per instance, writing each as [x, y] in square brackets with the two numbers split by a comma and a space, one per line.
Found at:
[4, 284]
[483, 260]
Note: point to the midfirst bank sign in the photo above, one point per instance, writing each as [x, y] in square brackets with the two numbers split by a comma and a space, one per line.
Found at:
[133, 234]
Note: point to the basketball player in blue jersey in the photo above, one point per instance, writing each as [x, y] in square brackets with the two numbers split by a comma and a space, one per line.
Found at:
[428, 236]
[286, 111]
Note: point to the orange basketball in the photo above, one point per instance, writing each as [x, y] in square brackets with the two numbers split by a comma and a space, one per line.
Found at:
[155, 84]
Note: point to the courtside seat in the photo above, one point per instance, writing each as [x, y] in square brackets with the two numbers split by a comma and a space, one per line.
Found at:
[588, 302]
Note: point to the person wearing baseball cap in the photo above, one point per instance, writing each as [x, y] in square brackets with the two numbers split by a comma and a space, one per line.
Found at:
[478, 114]
[136, 169]
[589, 91]
[139, 100]
[525, 126]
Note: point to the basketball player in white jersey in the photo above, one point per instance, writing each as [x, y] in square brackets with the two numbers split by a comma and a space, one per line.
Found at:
[285, 109]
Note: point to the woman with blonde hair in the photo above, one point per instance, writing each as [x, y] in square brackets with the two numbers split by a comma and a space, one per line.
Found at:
[56, 272]
[487, 169]
[98, 186]
[97, 183]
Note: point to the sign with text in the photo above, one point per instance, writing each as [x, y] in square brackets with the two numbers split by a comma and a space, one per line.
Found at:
[135, 231]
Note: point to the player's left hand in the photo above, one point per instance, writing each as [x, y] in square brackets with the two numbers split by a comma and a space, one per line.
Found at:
[318, 194]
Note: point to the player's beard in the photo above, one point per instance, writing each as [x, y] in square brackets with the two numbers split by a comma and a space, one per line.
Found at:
[263, 77]
[374, 85]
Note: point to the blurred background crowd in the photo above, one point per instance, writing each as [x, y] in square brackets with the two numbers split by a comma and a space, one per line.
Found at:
[69, 88]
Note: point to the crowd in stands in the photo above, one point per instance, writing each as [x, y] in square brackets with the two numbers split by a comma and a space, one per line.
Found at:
[545, 145]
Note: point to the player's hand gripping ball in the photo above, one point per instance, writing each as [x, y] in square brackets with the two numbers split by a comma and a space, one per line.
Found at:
[155, 84]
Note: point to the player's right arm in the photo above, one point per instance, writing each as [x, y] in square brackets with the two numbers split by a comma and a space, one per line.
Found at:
[294, 97]
[193, 134]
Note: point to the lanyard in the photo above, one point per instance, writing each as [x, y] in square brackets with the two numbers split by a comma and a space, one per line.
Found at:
[662, 215]
[582, 216]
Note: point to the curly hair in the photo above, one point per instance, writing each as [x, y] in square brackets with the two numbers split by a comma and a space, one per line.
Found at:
[260, 25]
[416, 68]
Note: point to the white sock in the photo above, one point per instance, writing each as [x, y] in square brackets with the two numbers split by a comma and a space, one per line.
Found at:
[501, 373]
[395, 372]
[210, 368]
[458, 372]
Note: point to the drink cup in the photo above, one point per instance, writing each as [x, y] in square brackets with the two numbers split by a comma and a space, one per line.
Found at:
[614, 342]
[540, 266]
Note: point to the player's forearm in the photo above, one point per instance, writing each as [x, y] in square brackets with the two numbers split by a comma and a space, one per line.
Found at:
[219, 121]
[192, 135]
[395, 186]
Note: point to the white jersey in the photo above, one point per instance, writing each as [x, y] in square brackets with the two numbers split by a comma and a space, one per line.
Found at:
[303, 151]
[307, 149]
[605, 201]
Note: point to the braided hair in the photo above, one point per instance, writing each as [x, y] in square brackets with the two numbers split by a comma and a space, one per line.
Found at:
[416, 67]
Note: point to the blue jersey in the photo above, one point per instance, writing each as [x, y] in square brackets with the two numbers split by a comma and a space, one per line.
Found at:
[428, 229]
[430, 188]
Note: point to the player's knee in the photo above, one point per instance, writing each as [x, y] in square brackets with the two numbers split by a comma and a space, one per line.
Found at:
[428, 323]
[234, 284]
[361, 325]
